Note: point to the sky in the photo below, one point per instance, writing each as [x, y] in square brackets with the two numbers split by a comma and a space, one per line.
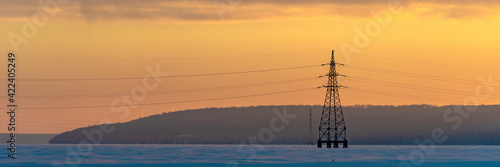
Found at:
[395, 53]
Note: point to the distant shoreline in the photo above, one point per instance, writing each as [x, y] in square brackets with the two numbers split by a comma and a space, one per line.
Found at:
[29, 138]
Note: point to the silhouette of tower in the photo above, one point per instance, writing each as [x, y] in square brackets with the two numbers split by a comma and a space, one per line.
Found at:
[332, 125]
[310, 127]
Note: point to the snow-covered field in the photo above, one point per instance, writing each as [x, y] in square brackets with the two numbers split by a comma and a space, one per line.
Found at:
[245, 155]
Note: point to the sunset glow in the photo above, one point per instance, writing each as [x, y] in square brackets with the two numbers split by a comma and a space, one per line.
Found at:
[454, 41]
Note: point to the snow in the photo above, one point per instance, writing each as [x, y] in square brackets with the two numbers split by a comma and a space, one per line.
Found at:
[246, 155]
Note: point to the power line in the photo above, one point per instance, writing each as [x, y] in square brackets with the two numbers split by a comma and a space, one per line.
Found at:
[173, 58]
[429, 63]
[171, 91]
[22, 117]
[203, 89]
[175, 76]
[424, 76]
[403, 95]
[38, 122]
[42, 126]
[408, 86]
[164, 103]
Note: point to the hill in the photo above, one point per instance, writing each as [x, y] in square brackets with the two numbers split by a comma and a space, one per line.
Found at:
[366, 125]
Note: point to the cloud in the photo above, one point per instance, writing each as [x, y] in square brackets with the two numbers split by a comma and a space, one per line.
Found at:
[460, 12]
[213, 10]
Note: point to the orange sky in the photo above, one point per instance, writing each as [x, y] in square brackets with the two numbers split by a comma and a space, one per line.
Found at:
[452, 34]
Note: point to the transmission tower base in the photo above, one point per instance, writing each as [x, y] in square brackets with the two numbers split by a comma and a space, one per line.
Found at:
[335, 144]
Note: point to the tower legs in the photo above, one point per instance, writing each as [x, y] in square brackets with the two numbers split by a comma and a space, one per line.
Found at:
[335, 144]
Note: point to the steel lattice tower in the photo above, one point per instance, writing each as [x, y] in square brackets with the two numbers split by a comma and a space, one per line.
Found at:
[332, 126]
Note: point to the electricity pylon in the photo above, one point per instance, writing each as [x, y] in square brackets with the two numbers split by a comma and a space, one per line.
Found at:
[310, 128]
[332, 127]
